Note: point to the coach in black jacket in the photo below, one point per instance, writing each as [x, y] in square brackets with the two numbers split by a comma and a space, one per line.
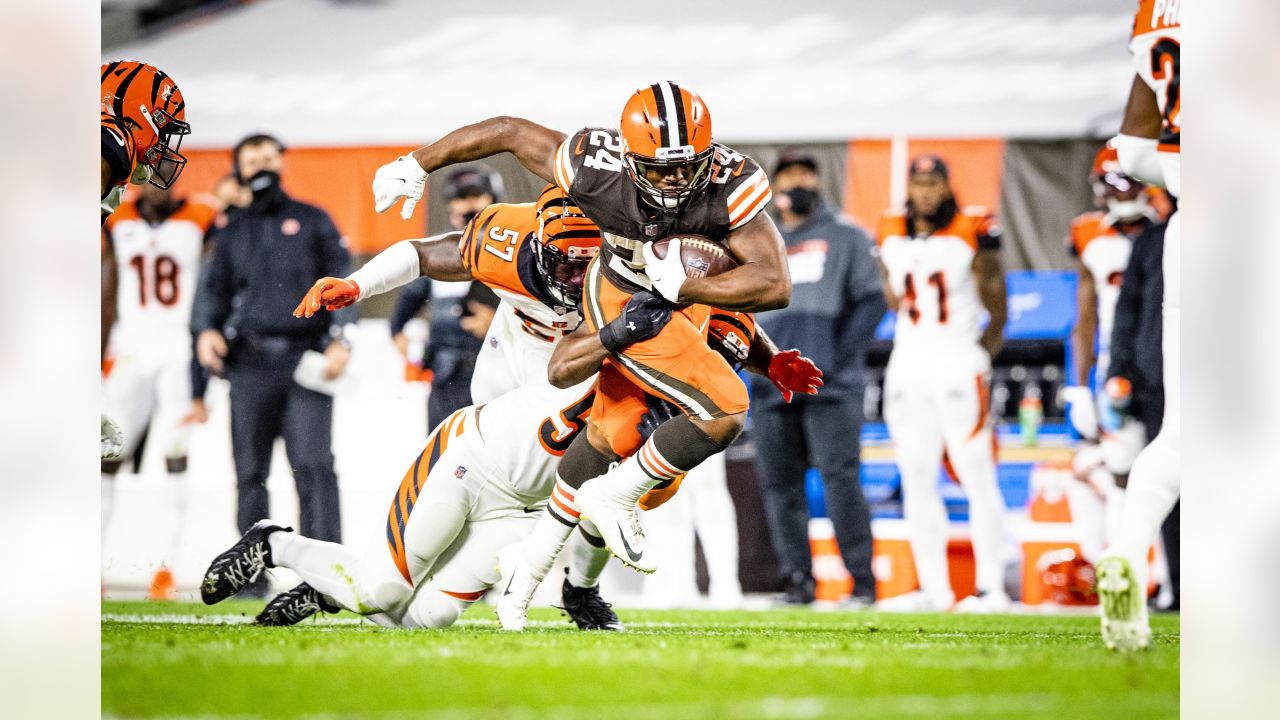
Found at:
[835, 306]
[264, 260]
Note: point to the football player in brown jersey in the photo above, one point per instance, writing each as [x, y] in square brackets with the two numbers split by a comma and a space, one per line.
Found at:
[659, 174]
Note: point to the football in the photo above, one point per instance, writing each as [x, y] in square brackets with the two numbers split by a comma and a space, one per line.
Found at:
[702, 256]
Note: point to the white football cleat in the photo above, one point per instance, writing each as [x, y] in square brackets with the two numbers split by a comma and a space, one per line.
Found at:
[619, 525]
[912, 602]
[518, 584]
[112, 439]
[985, 603]
[1125, 626]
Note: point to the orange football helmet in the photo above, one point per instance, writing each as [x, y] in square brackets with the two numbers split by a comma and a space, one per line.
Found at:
[149, 105]
[564, 245]
[666, 142]
[1123, 197]
[731, 334]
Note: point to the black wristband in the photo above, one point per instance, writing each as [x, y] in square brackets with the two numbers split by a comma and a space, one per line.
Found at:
[609, 339]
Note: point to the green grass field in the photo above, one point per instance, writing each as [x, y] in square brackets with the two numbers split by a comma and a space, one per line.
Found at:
[669, 665]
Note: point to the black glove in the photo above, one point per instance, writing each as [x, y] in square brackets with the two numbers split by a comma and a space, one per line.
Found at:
[643, 317]
[659, 412]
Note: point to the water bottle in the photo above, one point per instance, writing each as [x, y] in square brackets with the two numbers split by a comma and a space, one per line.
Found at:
[1118, 393]
[1030, 413]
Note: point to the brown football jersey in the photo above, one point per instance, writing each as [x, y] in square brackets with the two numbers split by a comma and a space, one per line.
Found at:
[589, 166]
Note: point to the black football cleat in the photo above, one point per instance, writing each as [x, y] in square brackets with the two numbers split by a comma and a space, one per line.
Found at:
[237, 567]
[587, 609]
[293, 606]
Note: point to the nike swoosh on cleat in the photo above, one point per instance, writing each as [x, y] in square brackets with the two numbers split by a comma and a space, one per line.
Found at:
[635, 556]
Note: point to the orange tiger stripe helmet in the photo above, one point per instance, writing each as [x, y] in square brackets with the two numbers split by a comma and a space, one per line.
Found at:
[731, 334]
[564, 245]
[666, 143]
[150, 106]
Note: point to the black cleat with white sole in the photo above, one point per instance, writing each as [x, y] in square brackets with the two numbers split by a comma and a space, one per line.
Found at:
[237, 567]
[293, 606]
[587, 609]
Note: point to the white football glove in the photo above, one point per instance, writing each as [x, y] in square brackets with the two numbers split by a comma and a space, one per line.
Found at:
[1081, 411]
[666, 275]
[400, 178]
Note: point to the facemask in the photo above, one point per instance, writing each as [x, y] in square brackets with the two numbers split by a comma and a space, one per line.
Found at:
[803, 200]
[469, 215]
[265, 186]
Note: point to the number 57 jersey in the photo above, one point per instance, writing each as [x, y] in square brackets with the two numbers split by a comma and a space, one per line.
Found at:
[933, 278]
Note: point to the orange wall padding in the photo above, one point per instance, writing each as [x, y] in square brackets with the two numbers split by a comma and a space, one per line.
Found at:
[975, 173]
[336, 179]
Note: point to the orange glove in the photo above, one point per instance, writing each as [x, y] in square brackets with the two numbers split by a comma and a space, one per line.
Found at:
[792, 373]
[331, 293]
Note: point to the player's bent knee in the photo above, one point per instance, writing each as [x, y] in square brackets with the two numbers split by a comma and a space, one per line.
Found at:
[722, 430]
[434, 609]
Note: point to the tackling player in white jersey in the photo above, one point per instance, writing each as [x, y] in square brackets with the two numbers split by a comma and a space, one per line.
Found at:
[942, 271]
[1148, 145]
[152, 257]
[487, 471]
[1101, 242]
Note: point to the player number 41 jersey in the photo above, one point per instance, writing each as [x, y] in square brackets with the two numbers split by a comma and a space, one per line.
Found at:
[1156, 45]
[933, 277]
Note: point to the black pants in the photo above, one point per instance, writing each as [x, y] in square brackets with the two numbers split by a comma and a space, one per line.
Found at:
[451, 385]
[821, 433]
[265, 404]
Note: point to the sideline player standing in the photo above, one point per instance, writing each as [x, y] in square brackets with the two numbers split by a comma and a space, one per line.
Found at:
[152, 257]
[942, 269]
[1101, 242]
[142, 113]
[1149, 144]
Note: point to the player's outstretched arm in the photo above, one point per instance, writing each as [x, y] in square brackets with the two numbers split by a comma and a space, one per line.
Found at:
[1086, 327]
[788, 370]
[579, 355]
[405, 177]
[991, 290]
[761, 282]
[1136, 143]
[435, 257]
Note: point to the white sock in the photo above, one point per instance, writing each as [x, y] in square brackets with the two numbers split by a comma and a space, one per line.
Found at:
[637, 475]
[327, 567]
[587, 557]
[715, 519]
[926, 519]
[175, 497]
[552, 530]
[108, 503]
[1154, 486]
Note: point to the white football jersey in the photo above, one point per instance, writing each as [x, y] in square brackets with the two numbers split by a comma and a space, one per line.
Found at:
[1156, 46]
[157, 267]
[933, 278]
[528, 429]
[1104, 251]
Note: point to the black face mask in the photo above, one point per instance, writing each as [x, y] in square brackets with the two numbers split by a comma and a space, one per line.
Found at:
[468, 216]
[265, 186]
[803, 200]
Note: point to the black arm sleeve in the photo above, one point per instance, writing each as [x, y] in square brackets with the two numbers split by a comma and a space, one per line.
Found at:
[336, 262]
[117, 157]
[199, 376]
[1124, 331]
[411, 301]
[213, 298]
